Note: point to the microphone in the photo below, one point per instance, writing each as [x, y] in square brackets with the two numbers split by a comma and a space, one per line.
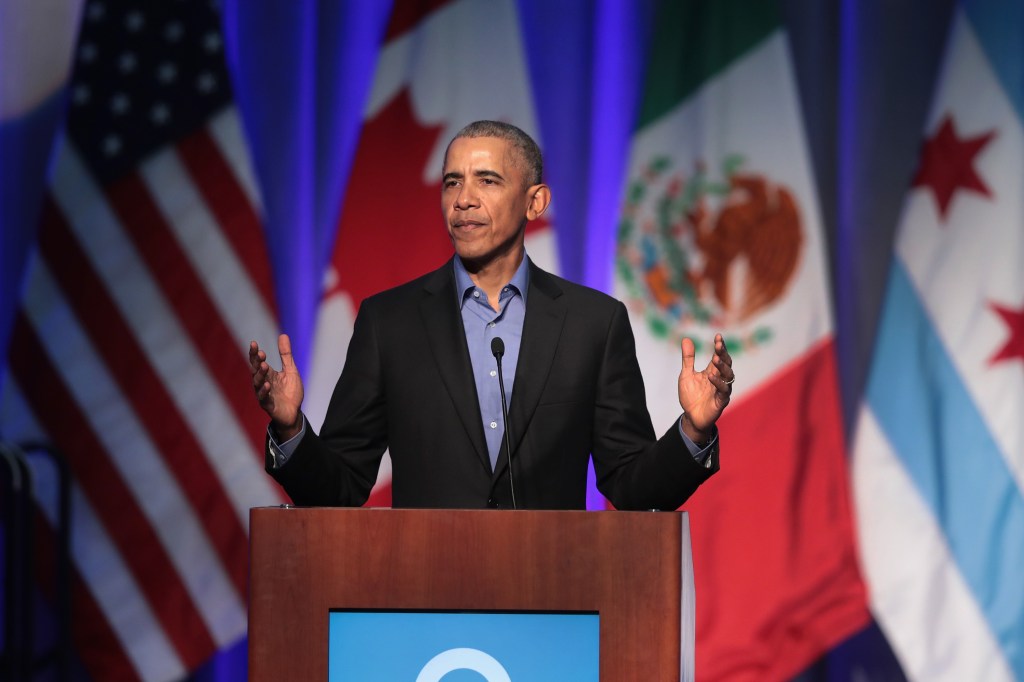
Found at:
[498, 349]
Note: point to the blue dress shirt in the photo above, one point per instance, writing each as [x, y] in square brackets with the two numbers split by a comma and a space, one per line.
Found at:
[482, 324]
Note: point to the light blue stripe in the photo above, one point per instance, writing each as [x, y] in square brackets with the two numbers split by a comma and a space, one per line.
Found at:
[938, 433]
[999, 26]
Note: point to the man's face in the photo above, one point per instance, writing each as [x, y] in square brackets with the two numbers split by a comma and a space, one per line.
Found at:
[485, 199]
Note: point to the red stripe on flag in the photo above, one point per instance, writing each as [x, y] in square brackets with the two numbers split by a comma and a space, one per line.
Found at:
[774, 553]
[239, 223]
[186, 293]
[115, 506]
[128, 366]
[97, 645]
[95, 641]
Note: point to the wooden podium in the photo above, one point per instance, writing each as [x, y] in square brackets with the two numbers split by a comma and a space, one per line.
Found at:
[633, 568]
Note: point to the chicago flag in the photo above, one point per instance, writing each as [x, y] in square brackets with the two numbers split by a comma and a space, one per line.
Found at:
[720, 231]
[939, 448]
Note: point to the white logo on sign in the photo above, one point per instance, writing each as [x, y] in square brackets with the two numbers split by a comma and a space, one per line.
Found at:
[463, 659]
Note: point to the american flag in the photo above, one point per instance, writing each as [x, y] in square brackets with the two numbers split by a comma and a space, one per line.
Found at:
[128, 353]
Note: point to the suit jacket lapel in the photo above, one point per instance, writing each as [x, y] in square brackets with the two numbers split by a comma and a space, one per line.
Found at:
[447, 341]
[542, 328]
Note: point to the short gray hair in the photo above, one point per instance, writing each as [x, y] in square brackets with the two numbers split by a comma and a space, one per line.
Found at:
[529, 152]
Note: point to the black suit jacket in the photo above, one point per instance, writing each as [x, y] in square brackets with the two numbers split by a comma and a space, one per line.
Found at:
[407, 385]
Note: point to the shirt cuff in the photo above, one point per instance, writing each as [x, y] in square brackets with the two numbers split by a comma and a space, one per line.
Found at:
[281, 452]
[701, 455]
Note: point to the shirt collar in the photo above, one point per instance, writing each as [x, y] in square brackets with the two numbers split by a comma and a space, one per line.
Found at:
[520, 281]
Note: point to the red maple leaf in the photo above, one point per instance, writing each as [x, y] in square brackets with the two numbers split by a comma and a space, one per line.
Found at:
[947, 164]
[1014, 346]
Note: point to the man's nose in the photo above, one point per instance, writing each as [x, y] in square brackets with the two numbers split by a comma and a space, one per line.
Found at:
[466, 198]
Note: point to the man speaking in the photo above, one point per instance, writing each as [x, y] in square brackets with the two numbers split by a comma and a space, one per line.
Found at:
[425, 372]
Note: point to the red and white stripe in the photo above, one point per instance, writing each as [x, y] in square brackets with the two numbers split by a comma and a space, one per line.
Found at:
[129, 355]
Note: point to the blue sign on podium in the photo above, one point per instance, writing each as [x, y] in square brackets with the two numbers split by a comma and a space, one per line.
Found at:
[431, 646]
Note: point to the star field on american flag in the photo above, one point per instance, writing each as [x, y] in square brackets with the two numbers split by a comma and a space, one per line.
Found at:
[144, 75]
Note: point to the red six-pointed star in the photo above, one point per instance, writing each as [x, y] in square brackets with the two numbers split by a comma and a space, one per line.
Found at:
[947, 164]
[1014, 346]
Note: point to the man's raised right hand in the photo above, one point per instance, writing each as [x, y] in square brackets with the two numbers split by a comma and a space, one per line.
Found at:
[279, 393]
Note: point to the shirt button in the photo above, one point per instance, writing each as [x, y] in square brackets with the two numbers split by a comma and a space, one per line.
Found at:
[505, 289]
[494, 425]
[476, 294]
[494, 373]
[491, 324]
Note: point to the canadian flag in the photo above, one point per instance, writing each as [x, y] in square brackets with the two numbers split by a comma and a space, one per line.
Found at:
[438, 70]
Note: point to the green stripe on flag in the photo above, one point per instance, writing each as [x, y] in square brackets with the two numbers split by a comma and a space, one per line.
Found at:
[694, 41]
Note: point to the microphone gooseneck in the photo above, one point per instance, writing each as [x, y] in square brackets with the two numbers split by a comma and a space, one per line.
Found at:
[498, 349]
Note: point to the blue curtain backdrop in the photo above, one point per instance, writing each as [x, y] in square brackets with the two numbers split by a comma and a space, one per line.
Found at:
[301, 72]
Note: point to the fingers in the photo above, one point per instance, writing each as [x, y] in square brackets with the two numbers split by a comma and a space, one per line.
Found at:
[256, 356]
[722, 375]
[284, 347]
[260, 371]
[262, 391]
[721, 351]
[259, 377]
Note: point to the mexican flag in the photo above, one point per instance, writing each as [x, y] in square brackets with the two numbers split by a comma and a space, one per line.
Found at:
[720, 231]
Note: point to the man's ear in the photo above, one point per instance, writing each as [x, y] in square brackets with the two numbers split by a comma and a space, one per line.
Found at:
[540, 198]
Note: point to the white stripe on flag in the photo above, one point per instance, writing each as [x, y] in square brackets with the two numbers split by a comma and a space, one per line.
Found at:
[168, 348]
[132, 452]
[917, 593]
[238, 302]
